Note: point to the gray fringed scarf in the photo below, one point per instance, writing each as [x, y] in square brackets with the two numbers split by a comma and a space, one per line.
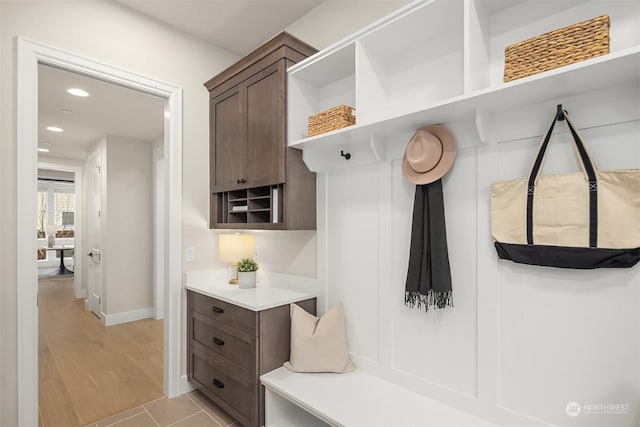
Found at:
[429, 275]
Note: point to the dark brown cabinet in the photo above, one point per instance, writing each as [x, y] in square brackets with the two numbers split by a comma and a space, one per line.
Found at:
[248, 143]
[229, 347]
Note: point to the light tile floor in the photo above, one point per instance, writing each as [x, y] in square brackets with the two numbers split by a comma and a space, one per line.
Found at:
[189, 410]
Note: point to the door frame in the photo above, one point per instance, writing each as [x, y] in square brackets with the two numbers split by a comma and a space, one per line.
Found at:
[158, 237]
[91, 230]
[29, 55]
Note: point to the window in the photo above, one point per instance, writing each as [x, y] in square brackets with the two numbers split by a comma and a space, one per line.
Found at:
[65, 205]
[57, 207]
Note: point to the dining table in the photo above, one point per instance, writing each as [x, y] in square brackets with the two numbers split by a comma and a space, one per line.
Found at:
[62, 269]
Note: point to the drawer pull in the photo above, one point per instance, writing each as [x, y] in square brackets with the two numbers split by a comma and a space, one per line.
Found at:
[218, 341]
[217, 309]
[218, 383]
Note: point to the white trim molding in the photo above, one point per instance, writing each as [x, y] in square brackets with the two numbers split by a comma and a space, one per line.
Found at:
[29, 55]
[185, 385]
[158, 232]
[27, 274]
[127, 316]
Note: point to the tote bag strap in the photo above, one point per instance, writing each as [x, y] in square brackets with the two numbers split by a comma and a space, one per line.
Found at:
[588, 169]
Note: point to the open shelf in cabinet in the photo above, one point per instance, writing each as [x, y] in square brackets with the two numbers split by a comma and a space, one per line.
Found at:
[402, 80]
[587, 76]
[411, 61]
[329, 83]
[493, 25]
[252, 207]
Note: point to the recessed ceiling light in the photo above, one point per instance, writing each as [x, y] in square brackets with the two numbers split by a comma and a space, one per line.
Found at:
[43, 150]
[78, 92]
[66, 111]
[54, 129]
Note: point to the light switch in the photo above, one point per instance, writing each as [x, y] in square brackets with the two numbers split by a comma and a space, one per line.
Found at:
[190, 255]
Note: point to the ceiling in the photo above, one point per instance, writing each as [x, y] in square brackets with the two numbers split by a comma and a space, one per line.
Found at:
[108, 110]
[238, 26]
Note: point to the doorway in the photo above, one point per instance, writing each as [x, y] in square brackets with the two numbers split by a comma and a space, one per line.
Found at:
[30, 55]
[67, 217]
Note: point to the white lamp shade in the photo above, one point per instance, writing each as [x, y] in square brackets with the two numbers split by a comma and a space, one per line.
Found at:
[233, 247]
[51, 229]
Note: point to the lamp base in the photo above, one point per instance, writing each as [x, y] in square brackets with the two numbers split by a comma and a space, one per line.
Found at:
[232, 272]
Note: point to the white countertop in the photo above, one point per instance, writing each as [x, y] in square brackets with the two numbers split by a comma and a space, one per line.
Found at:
[255, 299]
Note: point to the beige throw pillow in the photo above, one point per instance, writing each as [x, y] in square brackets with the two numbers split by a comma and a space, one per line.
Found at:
[318, 344]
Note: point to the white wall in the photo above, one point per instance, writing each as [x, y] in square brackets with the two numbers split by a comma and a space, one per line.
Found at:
[333, 20]
[126, 227]
[127, 223]
[520, 339]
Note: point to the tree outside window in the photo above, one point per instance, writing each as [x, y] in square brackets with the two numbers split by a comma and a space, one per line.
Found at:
[42, 221]
[42, 214]
[65, 204]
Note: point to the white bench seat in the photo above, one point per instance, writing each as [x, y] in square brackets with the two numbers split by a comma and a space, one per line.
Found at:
[352, 399]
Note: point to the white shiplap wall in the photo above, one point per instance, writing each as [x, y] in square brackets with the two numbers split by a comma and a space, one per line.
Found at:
[521, 341]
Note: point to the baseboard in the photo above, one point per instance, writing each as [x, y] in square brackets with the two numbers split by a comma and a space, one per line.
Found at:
[82, 294]
[185, 386]
[127, 316]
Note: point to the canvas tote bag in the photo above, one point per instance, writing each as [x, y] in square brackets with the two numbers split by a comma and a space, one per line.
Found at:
[583, 220]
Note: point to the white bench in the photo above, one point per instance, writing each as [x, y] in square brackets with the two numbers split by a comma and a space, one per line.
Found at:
[352, 399]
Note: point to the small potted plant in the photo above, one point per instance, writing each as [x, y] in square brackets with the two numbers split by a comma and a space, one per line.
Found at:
[247, 268]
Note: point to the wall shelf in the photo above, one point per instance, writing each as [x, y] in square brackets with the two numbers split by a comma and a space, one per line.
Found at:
[259, 207]
[397, 87]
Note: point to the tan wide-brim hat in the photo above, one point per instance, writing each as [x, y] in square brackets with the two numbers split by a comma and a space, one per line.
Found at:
[429, 155]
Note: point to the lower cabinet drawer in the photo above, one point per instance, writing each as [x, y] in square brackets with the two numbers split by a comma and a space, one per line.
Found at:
[218, 380]
[232, 344]
[229, 314]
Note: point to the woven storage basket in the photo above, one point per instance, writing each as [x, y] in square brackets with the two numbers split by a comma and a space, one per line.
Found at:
[331, 119]
[557, 48]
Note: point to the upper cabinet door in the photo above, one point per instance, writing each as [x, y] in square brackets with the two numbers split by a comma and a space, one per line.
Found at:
[228, 147]
[265, 114]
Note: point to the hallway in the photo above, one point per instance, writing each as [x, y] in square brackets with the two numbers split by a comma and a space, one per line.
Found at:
[88, 372]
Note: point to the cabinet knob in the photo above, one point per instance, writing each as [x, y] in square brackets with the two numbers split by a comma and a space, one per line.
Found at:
[217, 309]
[241, 181]
[218, 341]
[218, 383]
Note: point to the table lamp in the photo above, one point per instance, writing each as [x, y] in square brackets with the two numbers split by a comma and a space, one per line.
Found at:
[51, 235]
[232, 248]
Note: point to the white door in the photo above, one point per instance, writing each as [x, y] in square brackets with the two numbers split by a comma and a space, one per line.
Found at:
[95, 241]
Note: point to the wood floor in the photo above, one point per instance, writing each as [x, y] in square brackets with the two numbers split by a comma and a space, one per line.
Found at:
[88, 372]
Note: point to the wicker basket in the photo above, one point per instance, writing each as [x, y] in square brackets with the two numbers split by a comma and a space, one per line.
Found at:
[331, 119]
[557, 48]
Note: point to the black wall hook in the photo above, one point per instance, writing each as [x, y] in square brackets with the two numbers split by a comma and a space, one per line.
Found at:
[347, 156]
[560, 113]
